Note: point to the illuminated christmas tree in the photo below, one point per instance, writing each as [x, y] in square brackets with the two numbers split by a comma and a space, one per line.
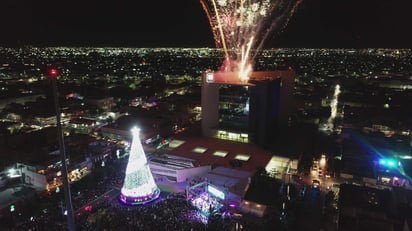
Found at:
[139, 186]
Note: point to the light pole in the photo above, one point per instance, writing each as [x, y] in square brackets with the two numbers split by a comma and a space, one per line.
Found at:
[54, 73]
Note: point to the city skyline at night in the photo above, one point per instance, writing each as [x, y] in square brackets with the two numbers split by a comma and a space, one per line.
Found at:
[106, 91]
[265, 114]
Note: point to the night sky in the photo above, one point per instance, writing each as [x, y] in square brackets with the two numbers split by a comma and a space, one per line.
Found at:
[183, 23]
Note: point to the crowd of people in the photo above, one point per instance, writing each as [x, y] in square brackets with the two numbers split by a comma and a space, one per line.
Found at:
[97, 209]
[171, 212]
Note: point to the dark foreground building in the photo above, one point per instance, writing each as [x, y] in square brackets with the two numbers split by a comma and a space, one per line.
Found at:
[365, 208]
[246, 111]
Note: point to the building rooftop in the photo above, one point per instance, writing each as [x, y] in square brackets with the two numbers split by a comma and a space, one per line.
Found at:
[215, 152]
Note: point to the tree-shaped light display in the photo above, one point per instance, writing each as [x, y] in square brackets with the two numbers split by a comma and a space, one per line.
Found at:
[139, 186]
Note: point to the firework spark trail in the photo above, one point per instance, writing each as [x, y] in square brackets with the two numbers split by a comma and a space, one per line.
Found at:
[240, 27]
[219, 24]
[209, 17]
[291, 9]
[245, 68]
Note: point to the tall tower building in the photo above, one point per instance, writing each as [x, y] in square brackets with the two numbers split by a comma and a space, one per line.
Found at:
[246, 111]
[139, 186]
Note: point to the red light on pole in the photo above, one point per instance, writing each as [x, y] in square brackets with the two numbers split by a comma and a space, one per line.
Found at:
[53, 72]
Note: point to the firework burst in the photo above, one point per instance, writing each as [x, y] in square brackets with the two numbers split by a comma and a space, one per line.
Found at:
[240, 28]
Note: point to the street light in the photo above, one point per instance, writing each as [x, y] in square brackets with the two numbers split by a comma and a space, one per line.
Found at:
[322, 161]
[54, 73]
